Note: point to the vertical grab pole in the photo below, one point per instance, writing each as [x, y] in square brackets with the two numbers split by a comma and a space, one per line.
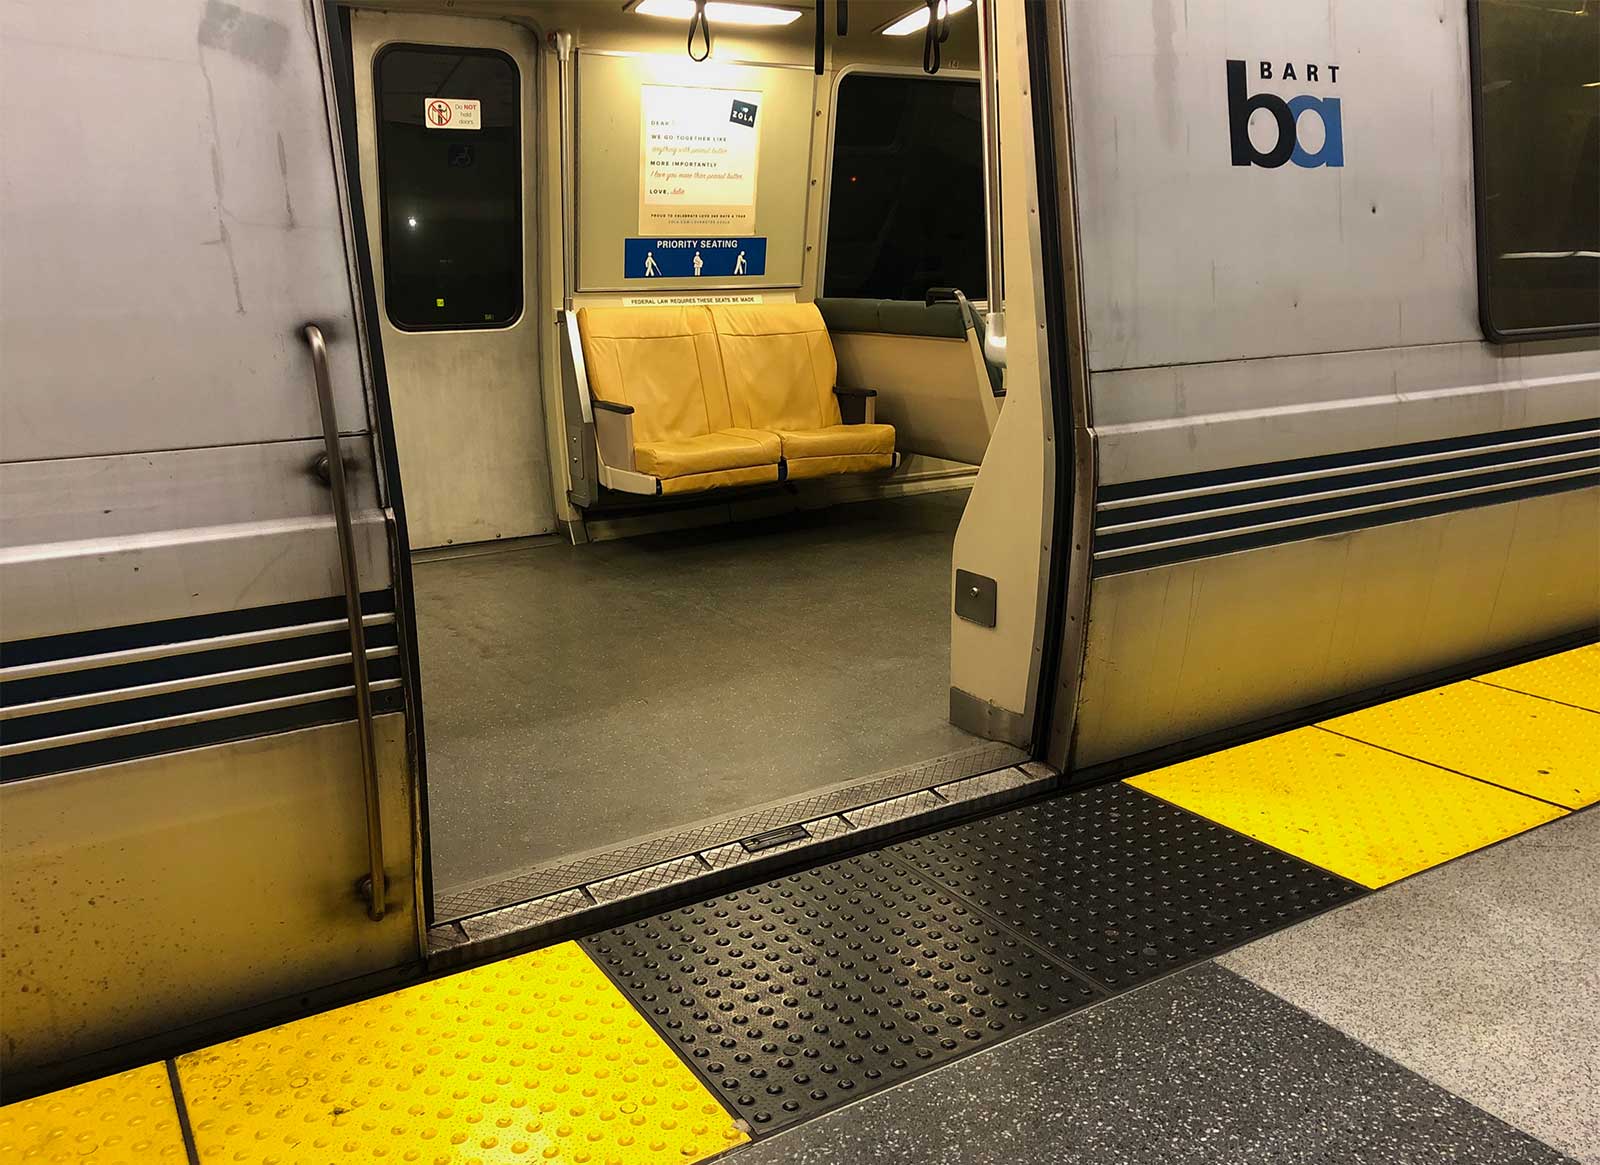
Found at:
[373, 883]
[561, 42]
[989, 108]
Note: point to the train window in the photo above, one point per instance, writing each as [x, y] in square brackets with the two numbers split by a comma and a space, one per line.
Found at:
[450, 180]
[905, 209]
[1537, 149]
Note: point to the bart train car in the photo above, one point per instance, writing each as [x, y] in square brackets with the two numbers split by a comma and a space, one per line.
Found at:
[473, 471]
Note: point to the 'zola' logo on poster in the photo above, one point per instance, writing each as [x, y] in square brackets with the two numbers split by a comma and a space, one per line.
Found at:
[1288, 118]
[744, 113]
[452, 113]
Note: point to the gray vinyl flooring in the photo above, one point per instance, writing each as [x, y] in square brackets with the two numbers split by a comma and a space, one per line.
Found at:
[580, 697]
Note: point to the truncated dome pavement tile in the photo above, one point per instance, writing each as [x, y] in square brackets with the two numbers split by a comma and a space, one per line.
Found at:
[1123, 885]
[532, 1058]
[805, 992]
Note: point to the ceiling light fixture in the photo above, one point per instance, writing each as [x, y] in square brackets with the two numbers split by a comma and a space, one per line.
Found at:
[721, 12]
[917, 19]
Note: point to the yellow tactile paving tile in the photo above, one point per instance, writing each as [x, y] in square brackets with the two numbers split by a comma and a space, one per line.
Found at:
[1523, 742]
[531, 1059]
[127, 1119]
[1572, 677]
[1366, 814]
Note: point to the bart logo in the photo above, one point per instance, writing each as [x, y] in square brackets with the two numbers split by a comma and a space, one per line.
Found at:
[1287, 115]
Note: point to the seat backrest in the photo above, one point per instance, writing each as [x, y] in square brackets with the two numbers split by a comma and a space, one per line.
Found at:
[661, 360]
[779, 366]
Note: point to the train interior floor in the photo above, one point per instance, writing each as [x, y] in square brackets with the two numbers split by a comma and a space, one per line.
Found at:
[579, 697]
[1370, 939]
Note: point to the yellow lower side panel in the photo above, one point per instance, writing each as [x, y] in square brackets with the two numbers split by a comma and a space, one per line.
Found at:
[127, 1119]
[531, 1059]
[1533, 745]
[1366, 814]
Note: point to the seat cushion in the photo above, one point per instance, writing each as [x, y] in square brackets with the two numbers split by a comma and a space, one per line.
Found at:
[778, 365]
[719, 479]
[663, 361]
[726, 449]
[837, 441]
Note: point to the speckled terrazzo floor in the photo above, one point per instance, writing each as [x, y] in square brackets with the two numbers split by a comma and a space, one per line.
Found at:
[1483, 975]
[1201, 1068]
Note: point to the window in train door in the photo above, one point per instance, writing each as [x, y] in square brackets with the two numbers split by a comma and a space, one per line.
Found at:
[905, 204]
[1536, 145]
[450, 181]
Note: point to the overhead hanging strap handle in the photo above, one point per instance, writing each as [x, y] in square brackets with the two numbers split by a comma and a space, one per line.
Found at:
[842, 7]
[936, 34]
[699, 22]
[822, 25]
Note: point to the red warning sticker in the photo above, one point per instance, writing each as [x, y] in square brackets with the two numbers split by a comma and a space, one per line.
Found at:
[452, 113]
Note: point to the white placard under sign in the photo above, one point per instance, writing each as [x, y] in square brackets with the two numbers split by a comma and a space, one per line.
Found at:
[688, 300]
[452, 113]
[697, 160]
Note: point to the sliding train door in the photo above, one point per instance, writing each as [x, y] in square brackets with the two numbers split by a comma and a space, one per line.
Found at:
[446, 142]
[197, 815]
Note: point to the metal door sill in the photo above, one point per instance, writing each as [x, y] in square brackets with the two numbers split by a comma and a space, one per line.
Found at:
[742, 861]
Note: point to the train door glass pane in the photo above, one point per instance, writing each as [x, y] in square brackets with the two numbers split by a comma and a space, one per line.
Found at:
[1538, 160]
[450, 179]
[905, 212]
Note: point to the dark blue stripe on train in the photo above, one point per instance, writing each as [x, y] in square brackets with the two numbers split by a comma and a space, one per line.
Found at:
[1567, 458]
[217, 663]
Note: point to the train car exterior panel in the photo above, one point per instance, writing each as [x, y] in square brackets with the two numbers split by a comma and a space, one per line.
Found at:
[126, 917]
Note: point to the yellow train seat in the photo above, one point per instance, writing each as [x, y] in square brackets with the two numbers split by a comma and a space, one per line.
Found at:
[780, 369]
[663, 421]
[695, 398]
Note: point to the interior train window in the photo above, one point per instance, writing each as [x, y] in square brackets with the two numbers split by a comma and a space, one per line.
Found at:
[450, 181]
[1537, 149]
[905, 212]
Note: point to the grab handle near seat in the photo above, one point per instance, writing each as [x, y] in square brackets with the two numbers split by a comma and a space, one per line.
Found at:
[373, 885]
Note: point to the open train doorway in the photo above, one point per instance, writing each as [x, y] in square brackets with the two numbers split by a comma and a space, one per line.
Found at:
[690, 388]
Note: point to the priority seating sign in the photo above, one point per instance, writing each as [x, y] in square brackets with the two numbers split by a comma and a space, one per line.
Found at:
[693, 258]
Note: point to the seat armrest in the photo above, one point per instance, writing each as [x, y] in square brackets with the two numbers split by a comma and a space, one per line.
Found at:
[613, 434]
[856, 405]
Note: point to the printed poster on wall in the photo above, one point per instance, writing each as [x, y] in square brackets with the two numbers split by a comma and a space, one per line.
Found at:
[698, 160]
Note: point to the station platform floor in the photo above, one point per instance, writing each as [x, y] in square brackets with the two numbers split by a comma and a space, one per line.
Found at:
[1371, 939]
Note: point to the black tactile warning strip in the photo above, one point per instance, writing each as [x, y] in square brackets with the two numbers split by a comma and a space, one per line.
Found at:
[802, 993]
[1121, 885]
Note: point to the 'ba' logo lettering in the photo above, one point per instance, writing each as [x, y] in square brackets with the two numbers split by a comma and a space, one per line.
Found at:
[1286, 114]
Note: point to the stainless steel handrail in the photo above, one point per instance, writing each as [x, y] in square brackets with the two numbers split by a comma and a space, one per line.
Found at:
[989, 115]
[561, 42]
[376, 889]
